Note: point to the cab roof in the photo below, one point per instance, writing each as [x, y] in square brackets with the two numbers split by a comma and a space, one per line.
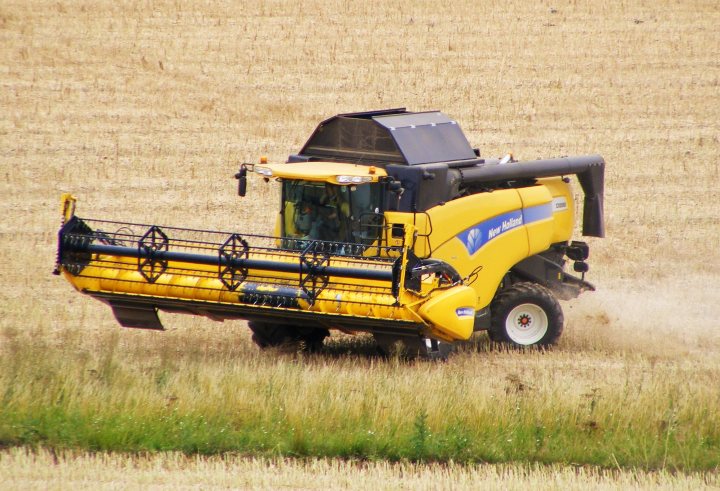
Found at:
[390, 136]
[326, 172]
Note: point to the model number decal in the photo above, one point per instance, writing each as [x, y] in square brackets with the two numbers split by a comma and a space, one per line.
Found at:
[559, 204]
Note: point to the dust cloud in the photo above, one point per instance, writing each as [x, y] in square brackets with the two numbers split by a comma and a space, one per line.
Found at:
[671, 318]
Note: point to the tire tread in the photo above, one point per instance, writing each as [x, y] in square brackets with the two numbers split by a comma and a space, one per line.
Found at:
[525, 292]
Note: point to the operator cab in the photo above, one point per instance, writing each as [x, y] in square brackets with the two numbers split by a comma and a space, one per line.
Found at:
[343, 213]
[340, 205]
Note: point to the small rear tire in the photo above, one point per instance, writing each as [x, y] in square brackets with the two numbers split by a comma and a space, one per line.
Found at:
[411, 347]
[271, 335]
[526, 314]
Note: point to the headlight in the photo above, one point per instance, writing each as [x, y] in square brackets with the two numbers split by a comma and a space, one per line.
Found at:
[263, 171]
[353, 179]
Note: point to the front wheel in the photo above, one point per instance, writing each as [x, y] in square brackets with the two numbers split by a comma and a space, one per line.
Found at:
[526, 314]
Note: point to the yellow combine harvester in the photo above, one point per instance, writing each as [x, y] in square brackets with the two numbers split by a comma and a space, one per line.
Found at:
[389, 223]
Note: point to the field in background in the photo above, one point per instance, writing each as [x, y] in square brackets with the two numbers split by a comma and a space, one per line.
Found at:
[144, 111]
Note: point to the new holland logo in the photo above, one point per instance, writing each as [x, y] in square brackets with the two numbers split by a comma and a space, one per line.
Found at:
[505, 226]
[465, 312]
[480, 234]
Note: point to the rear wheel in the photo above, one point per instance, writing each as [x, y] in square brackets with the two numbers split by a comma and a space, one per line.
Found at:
[271, 335]
[526, 314]
[412, 347]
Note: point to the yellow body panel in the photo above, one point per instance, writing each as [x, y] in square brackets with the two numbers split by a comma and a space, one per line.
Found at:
[494, 259]
[484, 235]
[563, 208]
[539, 232]
[451, 312]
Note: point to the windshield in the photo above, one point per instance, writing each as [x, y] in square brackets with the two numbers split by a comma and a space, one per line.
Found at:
[329, 212]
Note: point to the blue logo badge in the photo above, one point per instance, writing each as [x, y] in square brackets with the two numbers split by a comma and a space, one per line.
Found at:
[465, 312]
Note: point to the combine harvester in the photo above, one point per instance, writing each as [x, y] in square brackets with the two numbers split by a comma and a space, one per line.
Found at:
[389, 223]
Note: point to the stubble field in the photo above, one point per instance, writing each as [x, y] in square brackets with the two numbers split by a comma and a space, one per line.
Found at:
[143, 110]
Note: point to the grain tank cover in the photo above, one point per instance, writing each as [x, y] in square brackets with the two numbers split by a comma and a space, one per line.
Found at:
[391, 136]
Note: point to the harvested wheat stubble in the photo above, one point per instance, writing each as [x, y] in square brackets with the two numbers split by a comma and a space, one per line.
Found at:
[22, 468]
[144, 110]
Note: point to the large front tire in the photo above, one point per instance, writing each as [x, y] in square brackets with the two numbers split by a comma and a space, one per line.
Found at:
[526, 314]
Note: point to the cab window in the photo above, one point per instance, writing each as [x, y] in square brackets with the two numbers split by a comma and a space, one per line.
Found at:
[330, 212]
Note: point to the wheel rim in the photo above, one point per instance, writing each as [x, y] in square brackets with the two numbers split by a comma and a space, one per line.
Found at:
[526, 324]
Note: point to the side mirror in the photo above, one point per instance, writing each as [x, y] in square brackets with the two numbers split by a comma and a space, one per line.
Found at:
[395, 191]
[242, 180]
